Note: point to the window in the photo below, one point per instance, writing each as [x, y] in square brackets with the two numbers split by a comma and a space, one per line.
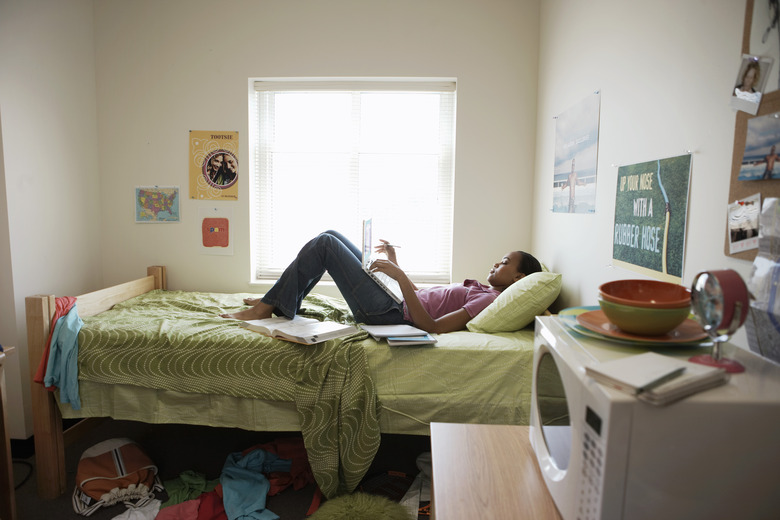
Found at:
[329, 153]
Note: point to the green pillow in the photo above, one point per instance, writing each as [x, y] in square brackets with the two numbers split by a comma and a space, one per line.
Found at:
[517, 306]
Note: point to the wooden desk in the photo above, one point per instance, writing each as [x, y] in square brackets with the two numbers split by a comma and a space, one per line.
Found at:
[7, 496]
[487, 472]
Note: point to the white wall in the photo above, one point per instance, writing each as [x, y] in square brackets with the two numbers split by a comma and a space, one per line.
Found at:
[49, 134]
[664, 70]
[164, 68]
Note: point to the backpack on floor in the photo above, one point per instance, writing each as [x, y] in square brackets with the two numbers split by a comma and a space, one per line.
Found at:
[114, 471]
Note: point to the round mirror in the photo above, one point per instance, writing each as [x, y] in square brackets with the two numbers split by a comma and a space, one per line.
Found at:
[707, 300]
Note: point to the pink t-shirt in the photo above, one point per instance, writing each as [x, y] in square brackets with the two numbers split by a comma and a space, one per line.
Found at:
[444, 299]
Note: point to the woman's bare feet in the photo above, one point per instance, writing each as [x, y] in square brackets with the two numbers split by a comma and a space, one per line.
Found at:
[251, 301]
[259, 311]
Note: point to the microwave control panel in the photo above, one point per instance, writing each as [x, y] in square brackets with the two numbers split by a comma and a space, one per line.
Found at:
[592, 478]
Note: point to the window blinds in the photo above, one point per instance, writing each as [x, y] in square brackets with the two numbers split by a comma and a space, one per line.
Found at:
[329, 152]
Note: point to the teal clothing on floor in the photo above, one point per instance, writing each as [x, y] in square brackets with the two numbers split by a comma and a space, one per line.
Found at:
[245, 488]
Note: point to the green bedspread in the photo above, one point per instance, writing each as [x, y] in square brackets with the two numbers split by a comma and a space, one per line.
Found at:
[174, 340]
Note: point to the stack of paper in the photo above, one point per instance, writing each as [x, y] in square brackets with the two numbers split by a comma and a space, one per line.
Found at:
[407, 341]
[655, 378]
[399, 335]
[696, 378]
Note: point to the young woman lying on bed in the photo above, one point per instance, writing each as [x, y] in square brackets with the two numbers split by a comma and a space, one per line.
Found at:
[436, 309]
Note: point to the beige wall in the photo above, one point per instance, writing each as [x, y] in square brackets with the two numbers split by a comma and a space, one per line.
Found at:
[164, 68]
[49, 133]
[122, 83]
[664, 70]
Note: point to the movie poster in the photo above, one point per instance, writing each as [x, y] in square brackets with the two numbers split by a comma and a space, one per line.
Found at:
[651, 209]
[576, 154]
[213, 165]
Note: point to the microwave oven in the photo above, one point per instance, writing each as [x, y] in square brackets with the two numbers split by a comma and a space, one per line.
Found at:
[604, 454]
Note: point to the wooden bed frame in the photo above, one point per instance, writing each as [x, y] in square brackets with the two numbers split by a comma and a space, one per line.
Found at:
[49, 435]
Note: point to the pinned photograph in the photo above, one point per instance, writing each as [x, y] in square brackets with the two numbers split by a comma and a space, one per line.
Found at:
[762, 149]
[765, 37]
[743, 224]
[749, 85]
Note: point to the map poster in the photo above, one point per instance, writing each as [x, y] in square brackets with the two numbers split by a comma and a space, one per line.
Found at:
[651, 210]
[154, 204]
[213, 165]
[576, 154]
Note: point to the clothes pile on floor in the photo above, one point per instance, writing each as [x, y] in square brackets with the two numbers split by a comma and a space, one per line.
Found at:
[117, 471]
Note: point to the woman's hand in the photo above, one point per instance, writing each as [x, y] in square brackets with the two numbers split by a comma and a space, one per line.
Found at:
[388, 267]
[387, 249]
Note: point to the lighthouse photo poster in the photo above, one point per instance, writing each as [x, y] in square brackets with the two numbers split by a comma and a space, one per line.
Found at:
[576, 154]
[651, 209]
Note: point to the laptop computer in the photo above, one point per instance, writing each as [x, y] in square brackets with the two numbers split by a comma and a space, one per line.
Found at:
[390, 285]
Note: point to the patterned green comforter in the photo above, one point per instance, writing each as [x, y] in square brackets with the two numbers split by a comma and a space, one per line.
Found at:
[175, 340]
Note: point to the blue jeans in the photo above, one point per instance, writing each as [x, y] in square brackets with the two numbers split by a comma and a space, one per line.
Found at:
[332, 252]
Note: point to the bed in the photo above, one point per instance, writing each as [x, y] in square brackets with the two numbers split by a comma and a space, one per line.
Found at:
[149, 354]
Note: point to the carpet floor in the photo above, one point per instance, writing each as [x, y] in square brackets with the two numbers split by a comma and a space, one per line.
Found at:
[178, 448]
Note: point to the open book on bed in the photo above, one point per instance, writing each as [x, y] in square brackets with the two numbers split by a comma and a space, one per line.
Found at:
[299, 329]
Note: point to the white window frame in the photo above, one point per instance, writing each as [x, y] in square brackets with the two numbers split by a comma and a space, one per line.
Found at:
[266, 220]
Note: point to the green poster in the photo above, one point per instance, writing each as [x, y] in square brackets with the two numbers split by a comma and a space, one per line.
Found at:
[651, 208]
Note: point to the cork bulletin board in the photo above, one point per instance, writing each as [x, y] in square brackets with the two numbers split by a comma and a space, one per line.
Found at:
[770, 104]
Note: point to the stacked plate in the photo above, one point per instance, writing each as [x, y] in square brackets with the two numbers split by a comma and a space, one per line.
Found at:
[638, 311]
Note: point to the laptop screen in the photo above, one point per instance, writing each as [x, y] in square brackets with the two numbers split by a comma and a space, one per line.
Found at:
[366, 242]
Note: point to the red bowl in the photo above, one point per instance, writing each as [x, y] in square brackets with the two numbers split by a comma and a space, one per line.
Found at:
[646, 293]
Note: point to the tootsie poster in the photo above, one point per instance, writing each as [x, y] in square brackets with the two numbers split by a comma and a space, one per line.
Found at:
[213, 165]
[651, 209]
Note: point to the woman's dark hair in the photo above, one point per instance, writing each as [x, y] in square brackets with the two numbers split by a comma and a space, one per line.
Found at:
[529, 264]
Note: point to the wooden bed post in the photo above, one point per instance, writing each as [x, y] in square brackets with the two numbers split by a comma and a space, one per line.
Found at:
[160, 276]
[47, 421]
